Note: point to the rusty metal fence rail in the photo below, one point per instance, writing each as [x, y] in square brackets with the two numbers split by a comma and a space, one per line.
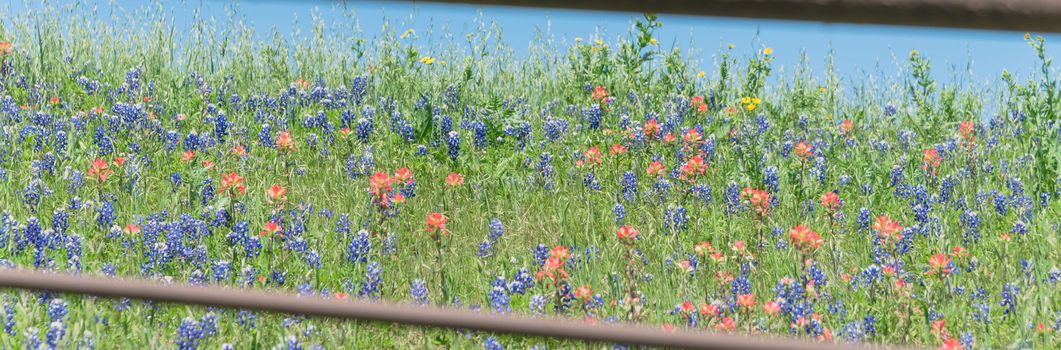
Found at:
[386, 312]
[1019, 15]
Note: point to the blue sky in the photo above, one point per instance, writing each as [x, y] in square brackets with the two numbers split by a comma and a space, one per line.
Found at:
[858, 49]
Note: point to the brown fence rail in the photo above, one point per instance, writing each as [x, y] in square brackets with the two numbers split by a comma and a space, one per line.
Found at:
[402, 314]
[1020, 15]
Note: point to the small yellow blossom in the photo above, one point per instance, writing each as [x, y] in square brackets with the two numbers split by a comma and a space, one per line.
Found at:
[427, 60]
[653, 41]
[729, 46]
[768, 51]
[745, 100]
[700, 75]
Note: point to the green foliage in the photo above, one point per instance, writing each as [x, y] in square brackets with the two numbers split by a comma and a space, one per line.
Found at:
[202, 69]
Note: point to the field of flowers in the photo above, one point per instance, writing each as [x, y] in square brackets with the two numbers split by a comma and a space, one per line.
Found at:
[602, 179]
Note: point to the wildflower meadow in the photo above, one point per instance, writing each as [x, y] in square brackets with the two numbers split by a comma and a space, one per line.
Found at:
[601, 179]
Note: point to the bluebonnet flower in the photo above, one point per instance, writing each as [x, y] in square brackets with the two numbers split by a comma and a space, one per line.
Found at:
[967, 340]
[390, 244]
[359, 248]
[541, 253]
[620, 213]
[207, 194]
[981, 313]
[189, 334]
[863, 219]
[208, 324]
[496, 230]
[342, 226]
[819, 169]
[593, 117]
[278, 277]
[521, 282]
[896, 175]
[176, 180]
[247, 319]
[1019, 228]
[57, 310]
[221, 127]
[770, 180]
[103, 143]
[31, 338]
[252, 246]
[537, 305]
[1000, 204]
[370, 285]
[554, 128]
[786, 149]
[313, 259]
[492, 344]
[1009, 295]
[498, 296]
[971, 223]
[478, 129]
[32, 194]
[73, 253]
[453, 145]
[106, 216]
[486, 249]
[221, 269]
[60, 221]
[629, 186]
[265, 136]
[546, 171]
[732, 198]
[817, 275]
[363, 129]
[192, 142]
[445, 124]
[889, 110]
[9, 316]
[521, 132]
[675, 220]
[761, 124]
[291, 343]
[418, 292]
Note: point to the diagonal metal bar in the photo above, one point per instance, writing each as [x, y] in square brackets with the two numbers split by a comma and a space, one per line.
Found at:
[384, 312]
[1018, 15]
